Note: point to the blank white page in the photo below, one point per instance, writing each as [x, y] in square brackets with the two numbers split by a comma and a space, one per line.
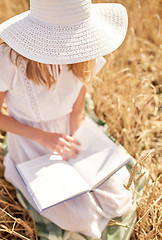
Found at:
[100, 157]
[51, 181]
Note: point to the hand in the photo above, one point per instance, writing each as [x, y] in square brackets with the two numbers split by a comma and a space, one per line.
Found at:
[64, 145]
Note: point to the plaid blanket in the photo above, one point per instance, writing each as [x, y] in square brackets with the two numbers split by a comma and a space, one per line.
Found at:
[118, 228]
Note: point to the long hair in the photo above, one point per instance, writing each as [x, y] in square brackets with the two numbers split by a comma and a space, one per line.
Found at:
[40, 74]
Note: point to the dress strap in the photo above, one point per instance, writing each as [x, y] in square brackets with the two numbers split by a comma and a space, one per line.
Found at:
[30, 93]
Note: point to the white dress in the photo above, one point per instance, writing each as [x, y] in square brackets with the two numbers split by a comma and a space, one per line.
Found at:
[49, 110]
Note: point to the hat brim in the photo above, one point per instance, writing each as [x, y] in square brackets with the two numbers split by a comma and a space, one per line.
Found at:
[43, 42]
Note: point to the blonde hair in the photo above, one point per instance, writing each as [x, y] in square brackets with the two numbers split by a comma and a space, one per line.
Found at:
[39, 72]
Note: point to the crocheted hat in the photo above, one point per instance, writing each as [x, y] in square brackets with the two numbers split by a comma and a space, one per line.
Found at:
[66, 31]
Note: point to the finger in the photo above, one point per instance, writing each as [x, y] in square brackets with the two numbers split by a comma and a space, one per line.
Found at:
[62, 155]
[71, 139]
[70, 153]
[75, 150]
[65, 144]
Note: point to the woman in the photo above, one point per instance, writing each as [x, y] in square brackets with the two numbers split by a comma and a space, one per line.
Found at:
[48, 55]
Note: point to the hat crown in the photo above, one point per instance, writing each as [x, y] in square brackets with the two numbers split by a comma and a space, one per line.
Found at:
[60, 11]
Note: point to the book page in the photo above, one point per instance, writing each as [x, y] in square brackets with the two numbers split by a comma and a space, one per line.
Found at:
[100, 157]
[50, 180]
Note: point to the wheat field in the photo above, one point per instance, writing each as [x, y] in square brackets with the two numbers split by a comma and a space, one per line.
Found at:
[127, 96]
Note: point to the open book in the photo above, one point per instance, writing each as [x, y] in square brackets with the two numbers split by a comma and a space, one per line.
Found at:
[51, 180]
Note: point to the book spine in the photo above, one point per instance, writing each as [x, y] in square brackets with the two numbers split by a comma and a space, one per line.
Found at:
[30, 192]
[102, 182]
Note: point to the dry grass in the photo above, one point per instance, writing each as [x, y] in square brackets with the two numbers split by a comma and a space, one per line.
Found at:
[127, 95]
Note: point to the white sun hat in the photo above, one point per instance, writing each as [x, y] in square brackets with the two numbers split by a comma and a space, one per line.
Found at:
[66, 31]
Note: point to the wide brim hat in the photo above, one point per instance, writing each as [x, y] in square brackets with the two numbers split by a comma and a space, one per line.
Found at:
[66, 31]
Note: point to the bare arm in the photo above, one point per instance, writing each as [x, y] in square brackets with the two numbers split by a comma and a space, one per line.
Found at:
[10, 124]
[77, 114]
[53, 141]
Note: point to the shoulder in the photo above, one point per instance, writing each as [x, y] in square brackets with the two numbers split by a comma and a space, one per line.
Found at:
[7, 68]
[4, 49]
[7, 55]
